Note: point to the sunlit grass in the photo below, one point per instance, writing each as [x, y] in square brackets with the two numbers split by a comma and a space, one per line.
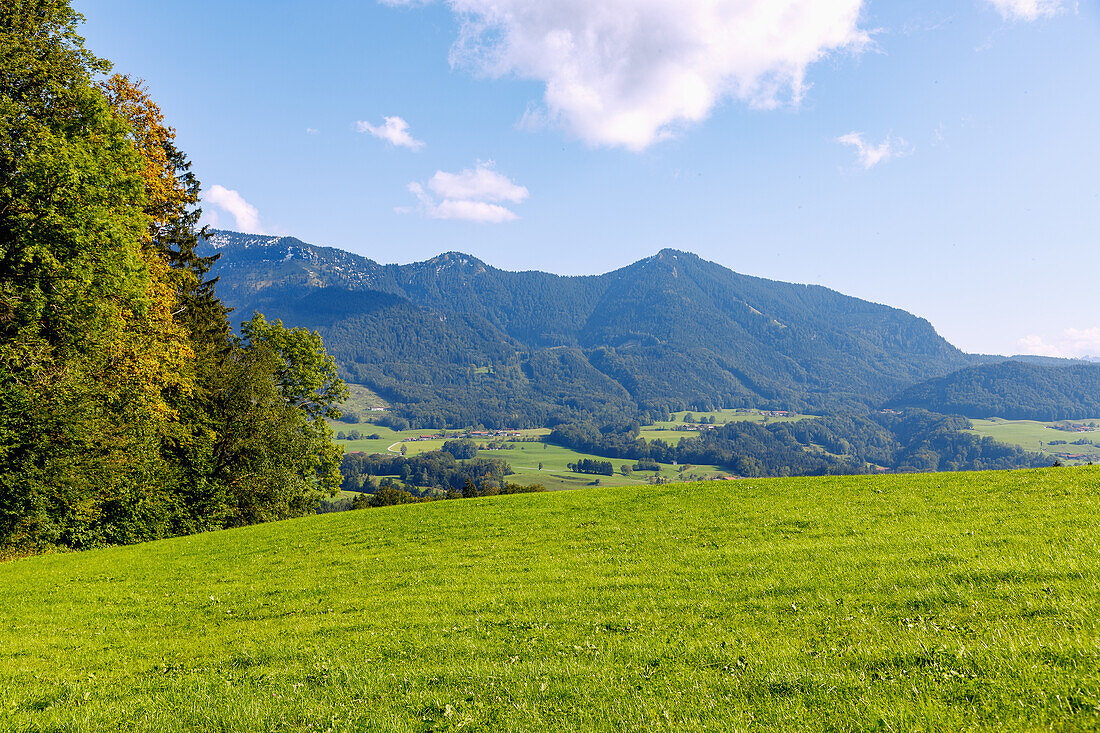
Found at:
[919, 602]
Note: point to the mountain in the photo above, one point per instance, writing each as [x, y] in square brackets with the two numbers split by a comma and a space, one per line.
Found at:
[1014, 390]
[454, 340]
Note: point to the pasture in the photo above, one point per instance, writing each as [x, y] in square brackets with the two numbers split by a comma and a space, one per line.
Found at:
[360, 401]
[911, 602]
[1036, 436]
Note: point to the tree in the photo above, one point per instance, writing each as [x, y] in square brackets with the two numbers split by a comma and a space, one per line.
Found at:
[274, 451]
[391, 497]
[87, 348]
[304, 373]
[461, 449]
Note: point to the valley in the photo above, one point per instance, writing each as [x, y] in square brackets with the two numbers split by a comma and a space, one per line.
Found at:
[254, 483]
[607, 367]
[525, 451]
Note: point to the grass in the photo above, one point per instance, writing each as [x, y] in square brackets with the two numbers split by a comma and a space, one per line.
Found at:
[896, 603]
[1036, 436]
[360, 401]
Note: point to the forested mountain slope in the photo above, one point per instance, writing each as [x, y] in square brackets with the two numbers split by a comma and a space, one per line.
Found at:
[455, 340]
[1013, 390]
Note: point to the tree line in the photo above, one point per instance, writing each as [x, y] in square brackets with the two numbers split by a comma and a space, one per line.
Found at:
[434, 470]
[129, 407]
[590, 465]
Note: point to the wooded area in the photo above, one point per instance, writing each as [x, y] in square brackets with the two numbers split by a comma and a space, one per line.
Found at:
[129, 409]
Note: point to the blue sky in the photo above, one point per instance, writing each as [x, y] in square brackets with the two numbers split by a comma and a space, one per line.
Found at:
[941, 157]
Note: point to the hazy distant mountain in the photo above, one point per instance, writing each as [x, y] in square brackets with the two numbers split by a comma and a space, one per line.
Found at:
[1014, 390]
[455, 338]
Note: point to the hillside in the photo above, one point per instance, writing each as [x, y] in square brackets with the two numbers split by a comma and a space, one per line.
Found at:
[1013, 390]
[453, 340]
[852, 603]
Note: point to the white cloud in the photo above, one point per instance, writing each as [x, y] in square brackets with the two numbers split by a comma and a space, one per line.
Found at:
[631, 72]
[245, 215]
[478, 184]
[871, 155]
[1027, 9]
[475, 194]
[312, 131]
[1072, 343]
[395, 131]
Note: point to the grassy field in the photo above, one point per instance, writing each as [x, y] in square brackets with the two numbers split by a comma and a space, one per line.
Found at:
[1036, 436]
[360, 401]
[895, 603]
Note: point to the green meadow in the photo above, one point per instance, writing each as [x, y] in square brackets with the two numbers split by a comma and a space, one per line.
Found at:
[361, 399]
[1036, 436]
[945, 602]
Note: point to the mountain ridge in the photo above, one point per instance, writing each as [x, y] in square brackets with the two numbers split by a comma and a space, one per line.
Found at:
[455, 336]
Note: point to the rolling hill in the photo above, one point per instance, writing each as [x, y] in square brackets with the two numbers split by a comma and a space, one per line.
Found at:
[453, 340]
[1014, 390]
[938, 602]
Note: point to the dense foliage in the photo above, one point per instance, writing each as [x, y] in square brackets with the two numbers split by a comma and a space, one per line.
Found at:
[432, 470]
[128, 409]
[454, 342]
[914, 440]
[1013, 390]
[592, 465]
[463, 448]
